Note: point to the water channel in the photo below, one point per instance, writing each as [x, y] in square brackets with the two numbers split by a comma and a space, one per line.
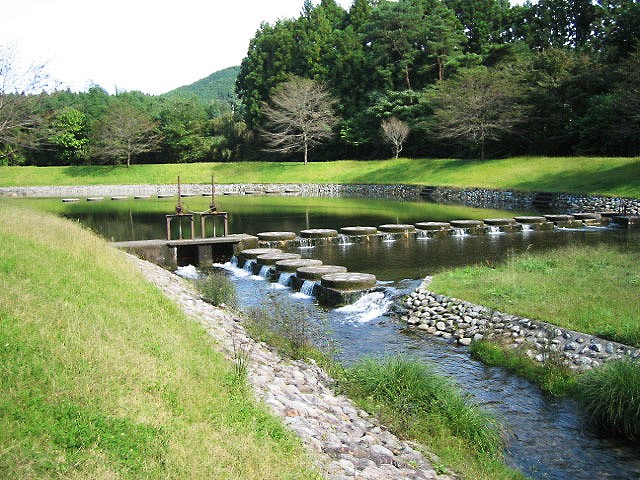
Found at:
[547, 436]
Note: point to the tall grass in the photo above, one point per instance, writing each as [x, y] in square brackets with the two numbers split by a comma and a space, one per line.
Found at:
[218, 289]
[591, 289]
[102, 377]
[610, 395]
[417, 403]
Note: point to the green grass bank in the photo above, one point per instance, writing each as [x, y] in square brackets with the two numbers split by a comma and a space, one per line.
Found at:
[102, 377]
[597, 175]
[588, 289]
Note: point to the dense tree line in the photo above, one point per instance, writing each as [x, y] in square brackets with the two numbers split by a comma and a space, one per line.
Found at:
[94, 127]
[554, 77]
[464, 78]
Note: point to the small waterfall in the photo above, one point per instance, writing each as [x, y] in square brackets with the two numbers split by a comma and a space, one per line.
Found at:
[422, 234]
[264, 271]
[285, 278]
[459, 232]
[234, 261]
[188, 271]
[367, 308]
[308, 287]
[388, 237]
[344, 240]
[248, 266]
[494, 229]
[527, 227]
[306, 243]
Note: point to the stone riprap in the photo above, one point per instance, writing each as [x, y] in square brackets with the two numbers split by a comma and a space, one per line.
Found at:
[344, 440]
[463, 322]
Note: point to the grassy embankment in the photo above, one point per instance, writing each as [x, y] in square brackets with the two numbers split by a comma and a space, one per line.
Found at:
[589, 289]
[102, 377]
[607, 176]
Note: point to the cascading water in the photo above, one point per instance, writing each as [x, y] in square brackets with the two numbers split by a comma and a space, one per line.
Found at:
[306, 243]
[367, 308]
[494, 230]
[526, 227]
[264, 271]
[234, 261]
[308, 287]
[422, 234]
[459, 232]
[285, 278]
[344, 240]
[388, 237]
[248, 266]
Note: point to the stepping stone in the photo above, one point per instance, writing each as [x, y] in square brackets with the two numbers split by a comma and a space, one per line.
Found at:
[294, 264]
[319, 233]
[587, 216]
[499, 221]
[141, 197]
[316, 273]
[95, 199]
[348, 281]
[119, 197]
[272, 258]
[255, 252]
[358, 231]
[530, 219]
[69, 200]
[397, 228]
[433, 225]
[466, 223]
[276, 236]
[559, 218]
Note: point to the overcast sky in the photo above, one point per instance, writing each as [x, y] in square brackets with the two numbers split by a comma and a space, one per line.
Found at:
[149, 45]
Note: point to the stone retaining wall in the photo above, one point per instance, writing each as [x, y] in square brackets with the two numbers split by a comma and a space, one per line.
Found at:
[465, 322]
[477, 197]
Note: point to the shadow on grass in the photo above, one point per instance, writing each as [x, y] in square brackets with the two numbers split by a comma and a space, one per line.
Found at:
[92, 170]
[621, 180]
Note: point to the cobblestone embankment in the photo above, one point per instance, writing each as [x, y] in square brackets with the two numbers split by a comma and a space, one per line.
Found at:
[345, 441]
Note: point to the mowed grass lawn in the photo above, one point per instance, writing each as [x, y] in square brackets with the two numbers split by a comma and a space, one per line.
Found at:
[606, 176]
[593, 290]
[102, 377]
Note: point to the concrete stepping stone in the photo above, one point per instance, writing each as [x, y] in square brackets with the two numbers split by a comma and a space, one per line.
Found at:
[251, 253]
[397, 228]
[319, 233]
[348, 281]
[433, 225]
[316, 272]
[119, 197]
[530, 219]
[499, 221]
[276, 236]
[291, 265]
[95, 199]
[272, 258]
[358, 231]
[70, 200]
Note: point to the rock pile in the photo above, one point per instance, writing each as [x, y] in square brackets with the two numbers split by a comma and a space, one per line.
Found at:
[463, 322]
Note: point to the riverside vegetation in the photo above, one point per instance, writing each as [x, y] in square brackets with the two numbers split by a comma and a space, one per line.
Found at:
[101, 376]
[588, 289]
[404, 394]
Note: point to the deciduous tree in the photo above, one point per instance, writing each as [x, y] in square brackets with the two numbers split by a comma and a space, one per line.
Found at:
[299, 117]
[395, 132]
[125, 132]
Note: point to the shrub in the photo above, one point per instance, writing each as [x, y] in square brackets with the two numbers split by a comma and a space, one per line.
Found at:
[610, 395]
[218, 289]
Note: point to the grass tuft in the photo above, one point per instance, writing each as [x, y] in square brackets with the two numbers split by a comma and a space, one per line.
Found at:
[610, 395]
[218, 289]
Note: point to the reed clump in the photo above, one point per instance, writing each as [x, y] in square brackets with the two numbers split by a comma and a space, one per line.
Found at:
[610, 396]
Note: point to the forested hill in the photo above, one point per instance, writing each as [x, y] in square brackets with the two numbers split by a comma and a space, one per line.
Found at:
[219, 85]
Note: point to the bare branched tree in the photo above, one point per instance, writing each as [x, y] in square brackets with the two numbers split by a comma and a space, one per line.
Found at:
[395, 132]
[478, 106]
[20, 116]
[299, 118]
[124, 133]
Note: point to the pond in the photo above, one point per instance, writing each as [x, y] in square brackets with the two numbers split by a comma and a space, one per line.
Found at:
[548, 438]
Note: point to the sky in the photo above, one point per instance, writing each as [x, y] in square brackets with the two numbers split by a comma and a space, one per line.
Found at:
[152, 46]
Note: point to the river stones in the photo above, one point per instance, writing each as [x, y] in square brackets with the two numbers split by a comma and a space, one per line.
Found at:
[316, 272]
[319, 233]
[499, 221]
[396, 228]
[348, 281]
[291, 265]
[358, 231]
[272, 258]
[255, 252]
[276, 236]
[433, 225]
